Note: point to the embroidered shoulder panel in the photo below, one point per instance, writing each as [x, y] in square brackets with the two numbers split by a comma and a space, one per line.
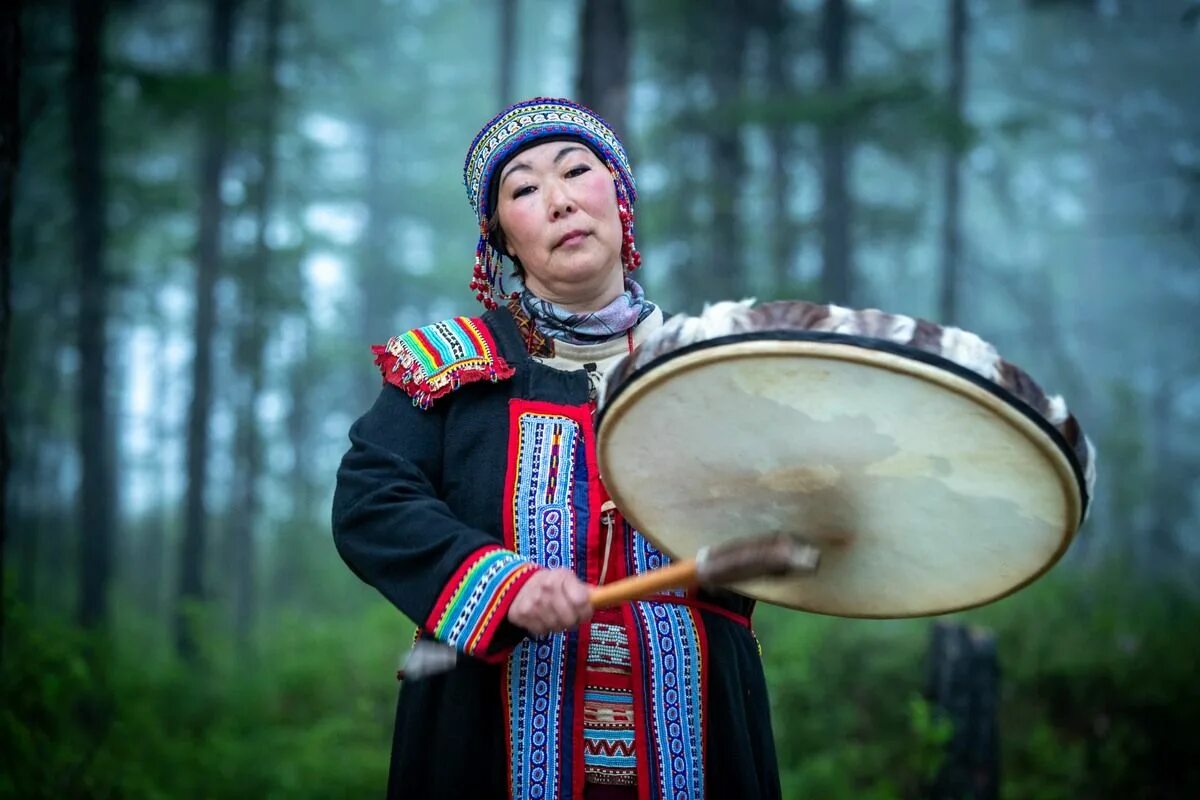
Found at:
[433, 361]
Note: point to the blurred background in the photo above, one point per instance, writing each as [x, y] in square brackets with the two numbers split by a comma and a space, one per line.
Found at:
[209, 209]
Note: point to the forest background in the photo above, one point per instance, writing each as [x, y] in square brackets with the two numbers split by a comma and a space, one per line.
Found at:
[209, 209]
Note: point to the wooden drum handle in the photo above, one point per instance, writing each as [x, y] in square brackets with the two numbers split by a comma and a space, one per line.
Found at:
[673, 576]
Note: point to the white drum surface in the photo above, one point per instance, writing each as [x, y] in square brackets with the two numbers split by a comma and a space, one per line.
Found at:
[925, 492]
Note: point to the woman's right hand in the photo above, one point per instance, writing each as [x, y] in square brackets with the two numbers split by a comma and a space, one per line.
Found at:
[551, 600]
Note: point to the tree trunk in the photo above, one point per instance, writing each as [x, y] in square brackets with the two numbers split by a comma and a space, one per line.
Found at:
[248, 458]
[783, 231]
[48, 536]
[374, 259]
[727, 274]
[89, 200]
[603, 82]
[837, 271]
[952, 177]
[212, 165]
[31, 400]
[508, 52]
[10, 71]
[37, 479]
[376, 304]
[1168, 500]
[300, 424]
[963, 685]
[159, 521]
[27, 490]
[287, 569]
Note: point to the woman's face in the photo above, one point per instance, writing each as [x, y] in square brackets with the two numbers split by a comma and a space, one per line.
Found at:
[558, 210]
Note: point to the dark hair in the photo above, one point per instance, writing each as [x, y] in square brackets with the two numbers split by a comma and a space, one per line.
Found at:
[500, 242]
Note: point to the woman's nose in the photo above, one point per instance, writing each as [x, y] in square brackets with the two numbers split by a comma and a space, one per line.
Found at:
[559, 201]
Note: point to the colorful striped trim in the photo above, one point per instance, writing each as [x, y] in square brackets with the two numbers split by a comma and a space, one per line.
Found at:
[476, 599]
[433, 361]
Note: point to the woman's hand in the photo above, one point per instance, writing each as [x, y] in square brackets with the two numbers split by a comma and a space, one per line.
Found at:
[551, 600]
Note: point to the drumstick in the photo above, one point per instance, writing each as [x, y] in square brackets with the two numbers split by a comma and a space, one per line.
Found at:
[739, 560]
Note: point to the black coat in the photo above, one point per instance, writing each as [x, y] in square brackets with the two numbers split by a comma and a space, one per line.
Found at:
[446, 510]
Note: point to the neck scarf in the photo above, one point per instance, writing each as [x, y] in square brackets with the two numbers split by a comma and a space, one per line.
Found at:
[589, 327]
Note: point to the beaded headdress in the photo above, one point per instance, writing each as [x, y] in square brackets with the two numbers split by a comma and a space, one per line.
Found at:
[511, 131]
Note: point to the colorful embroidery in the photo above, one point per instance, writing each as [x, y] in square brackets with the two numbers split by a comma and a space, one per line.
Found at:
[625, 692]
[545, 506]
[672, 673]
[608, 646]
[609, 755]
[539, 672]
[430, 362]
[548, 480]
[477, 598]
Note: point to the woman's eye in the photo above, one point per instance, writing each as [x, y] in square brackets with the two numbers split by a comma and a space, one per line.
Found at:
[577, 171]
[522, 191]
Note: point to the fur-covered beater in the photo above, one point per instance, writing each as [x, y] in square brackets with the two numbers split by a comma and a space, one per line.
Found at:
[954, 344]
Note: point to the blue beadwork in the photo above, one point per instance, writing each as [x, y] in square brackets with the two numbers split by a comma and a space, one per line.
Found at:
[671, 662]
[544, 527]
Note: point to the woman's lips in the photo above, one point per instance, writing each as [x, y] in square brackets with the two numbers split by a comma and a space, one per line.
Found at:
[571, 238]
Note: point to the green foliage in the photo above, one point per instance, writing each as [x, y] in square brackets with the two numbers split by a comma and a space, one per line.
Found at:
[843, 694]
[1096, 698]
[176, 95]
[308, 714]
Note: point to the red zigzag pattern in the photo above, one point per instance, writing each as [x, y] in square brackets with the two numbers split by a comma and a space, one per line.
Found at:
[607, 747]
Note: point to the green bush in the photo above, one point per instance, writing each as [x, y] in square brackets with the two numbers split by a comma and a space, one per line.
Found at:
[308, 714]
[1098, 699]
[1098, 695]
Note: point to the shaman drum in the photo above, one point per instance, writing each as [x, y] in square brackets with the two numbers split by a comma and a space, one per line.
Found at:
[932, 475]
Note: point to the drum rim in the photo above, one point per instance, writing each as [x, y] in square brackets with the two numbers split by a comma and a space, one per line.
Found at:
[893, 349]
[867, 343]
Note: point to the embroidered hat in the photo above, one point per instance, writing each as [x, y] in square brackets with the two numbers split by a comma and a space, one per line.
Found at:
[523, 124]
[516, 128]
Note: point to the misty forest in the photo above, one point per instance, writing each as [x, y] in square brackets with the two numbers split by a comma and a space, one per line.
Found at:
[211, 209]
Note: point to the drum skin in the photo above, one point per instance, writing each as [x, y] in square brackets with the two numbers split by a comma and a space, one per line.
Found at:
[927, 487]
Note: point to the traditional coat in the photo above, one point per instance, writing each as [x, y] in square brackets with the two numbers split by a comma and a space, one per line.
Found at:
[475, 467]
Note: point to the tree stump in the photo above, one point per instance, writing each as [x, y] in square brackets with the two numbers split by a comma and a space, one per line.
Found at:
[963, 687]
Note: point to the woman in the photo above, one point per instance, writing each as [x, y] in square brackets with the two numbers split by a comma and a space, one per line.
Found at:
[471, 499]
